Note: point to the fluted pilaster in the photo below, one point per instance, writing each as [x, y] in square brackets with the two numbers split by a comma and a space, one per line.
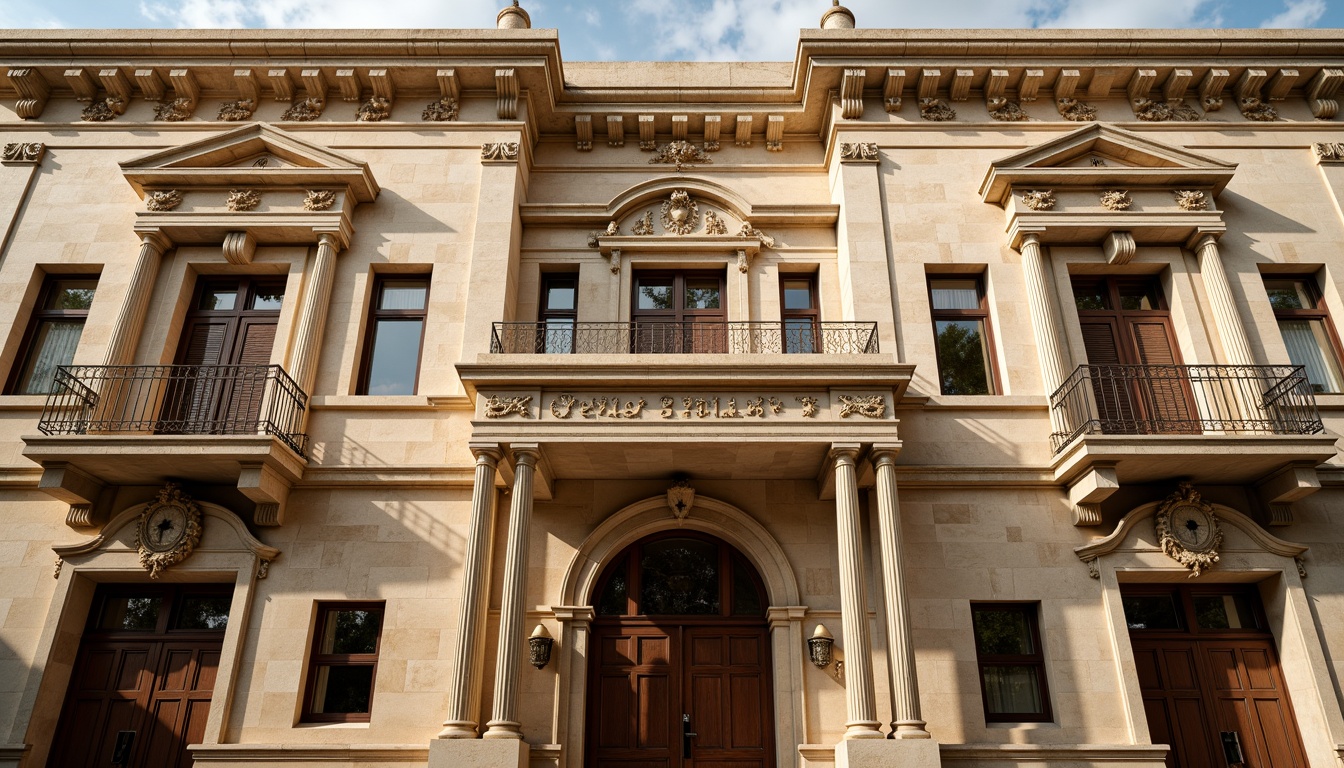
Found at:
[131, 320]
[1045, 325]
[313, 313]
[860, 701]
[1225, 315]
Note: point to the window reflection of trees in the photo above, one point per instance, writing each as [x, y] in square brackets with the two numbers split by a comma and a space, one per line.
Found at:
[679, 577]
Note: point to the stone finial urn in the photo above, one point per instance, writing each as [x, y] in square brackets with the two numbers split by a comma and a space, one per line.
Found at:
[514, 17]
[837, 17]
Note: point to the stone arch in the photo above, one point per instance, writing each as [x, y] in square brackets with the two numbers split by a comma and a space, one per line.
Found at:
[659, 188]
[708, 515]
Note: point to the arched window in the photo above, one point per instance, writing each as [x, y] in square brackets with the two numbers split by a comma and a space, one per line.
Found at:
[680, 574]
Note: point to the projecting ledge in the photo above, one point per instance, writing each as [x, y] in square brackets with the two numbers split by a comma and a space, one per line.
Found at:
[1209, 459]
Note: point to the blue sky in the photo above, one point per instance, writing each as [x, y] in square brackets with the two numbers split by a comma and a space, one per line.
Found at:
[672, 30]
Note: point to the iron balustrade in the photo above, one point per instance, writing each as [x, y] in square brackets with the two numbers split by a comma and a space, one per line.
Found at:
[1183, 400]
[176, 400]
[685, 337]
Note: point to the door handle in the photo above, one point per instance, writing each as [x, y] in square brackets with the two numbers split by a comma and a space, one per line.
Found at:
[121, 751]
[1231, 747]
[686, 735]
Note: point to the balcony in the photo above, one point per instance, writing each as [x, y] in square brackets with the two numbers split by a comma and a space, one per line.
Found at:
[145, 424]
[1215, 424]
[664, 338]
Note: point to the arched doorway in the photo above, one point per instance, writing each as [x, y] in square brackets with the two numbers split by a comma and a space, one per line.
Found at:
[680, 645]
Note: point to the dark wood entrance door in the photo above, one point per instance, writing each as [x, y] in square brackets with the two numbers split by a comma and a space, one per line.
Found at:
[680, 646]
[1207, 668]
[1136, 379]
[147, 663]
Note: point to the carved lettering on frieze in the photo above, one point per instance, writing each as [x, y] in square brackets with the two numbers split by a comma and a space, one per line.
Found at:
[681, 153]
[1330, 151]
[1116, 200]
[319, 200]
[1191, 200]
[24, 152]
[243, 200]
[692, 407]
[871, 407]
[498, 407]
[163, 200]
[503, 150]
[241, 109]
[1039, 199]
[863, 151]
[442, 111]
[1075, 110]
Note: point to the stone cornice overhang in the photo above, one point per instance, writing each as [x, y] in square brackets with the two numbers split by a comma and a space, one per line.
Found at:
[800, 97]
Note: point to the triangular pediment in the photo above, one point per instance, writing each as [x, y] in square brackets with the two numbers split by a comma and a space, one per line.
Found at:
[256, 156]
[1100, 155]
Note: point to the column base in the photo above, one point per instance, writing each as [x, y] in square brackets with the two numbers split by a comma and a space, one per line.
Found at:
[503, 729]
[863, 729]
[458, 729]
[479, 753]
[908, 729]
[871, 753]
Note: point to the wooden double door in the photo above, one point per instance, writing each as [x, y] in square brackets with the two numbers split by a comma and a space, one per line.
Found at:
[146, 666]
[679, 660]
[1211, 682]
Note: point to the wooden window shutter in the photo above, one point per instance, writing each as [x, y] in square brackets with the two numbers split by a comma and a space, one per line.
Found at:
[1110, 385]
[1165, 391]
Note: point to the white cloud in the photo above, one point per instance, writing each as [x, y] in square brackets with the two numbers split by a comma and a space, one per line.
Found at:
[1299, 13]
[1108, 14]
[321, 14]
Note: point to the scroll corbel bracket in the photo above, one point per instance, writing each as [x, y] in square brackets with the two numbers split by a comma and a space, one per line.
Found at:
[1119, 247]
[614, 259]
[268, 490]
[1088, 492]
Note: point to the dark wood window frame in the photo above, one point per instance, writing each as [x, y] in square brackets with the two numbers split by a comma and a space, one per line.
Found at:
[1318, 311]
[981, 314]
[812, 314]
[680, 334]
[376, 314]
[248, 287]
[1036, 660]
[169, 610]
[547, 313]
[317, 660]
[1184, 595]
[730, 560]
[40, 316]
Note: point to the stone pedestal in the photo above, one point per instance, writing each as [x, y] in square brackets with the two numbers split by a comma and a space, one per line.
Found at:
[478, 753]
[881, 753]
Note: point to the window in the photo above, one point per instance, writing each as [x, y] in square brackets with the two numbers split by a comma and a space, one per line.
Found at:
[396, 329]
[798, 299]
[344, 659]
[1307, 331]
[679, 312]
[1012, 666]
[559, 312]
[53, 333]
[961, 331]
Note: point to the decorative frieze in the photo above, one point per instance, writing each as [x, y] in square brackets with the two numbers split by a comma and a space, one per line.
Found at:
[498, 407]
[863, 151]
[501, 151]
[576, 407]
[1039, 199]
[1191, 200]
[1162, 111]
[233, 111]
[376, 109]
[103, 110]
[1329, 152]
[681, 153]
[674, 407]
[644, 226]
[936, 110]
[1116, 200]
[714, 225]
[1075, 110]
[174, 111]
[1252, 108]
[443, 110]
[243, 200]
[163, 200]
[319, 200]
[681, 214]
[23, 152]
[869, 407]
[1006, 111]
[304, 110]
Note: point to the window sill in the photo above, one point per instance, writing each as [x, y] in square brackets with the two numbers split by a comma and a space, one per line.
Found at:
[388, 403]
[996, 402]
[1027, 726]
[334, 726]
[22, 402]
[1330, 402]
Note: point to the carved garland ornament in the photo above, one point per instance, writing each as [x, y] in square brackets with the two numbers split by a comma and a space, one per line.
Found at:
[165, 200]
[503, 150]
[243, 200]
[1039, 199]
[241, 109]
[872, 407]
[936, 110]
[442, 111]
[374, 110]
[1075, 110]
[1255, 109]
[644, 226]
[748, 230]
[1006, 111]
[861, 151]
[1188, 531]
[1116, 200]
[304, 111]
[174, 111]
[1332, 151]
[681, 153]
[681, 214]
[1191, 200]
[498, 407]
[1162, 111]
[168, 531]
[319, 200]
[23, 152]
[714, 225]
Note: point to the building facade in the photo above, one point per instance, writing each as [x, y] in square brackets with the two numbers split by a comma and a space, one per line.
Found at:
[937, 398]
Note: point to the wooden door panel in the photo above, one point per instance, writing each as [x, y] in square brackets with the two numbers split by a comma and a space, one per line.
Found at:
[1274, 736]
[614, 724]
[159, 736]
[653, 712]
[748, 728]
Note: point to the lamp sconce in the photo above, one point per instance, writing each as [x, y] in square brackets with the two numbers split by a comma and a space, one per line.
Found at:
[539, 643]
[819, 646]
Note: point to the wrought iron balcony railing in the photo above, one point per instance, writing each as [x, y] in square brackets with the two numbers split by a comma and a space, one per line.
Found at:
[651, 337]
[1183, 400]
[176, 400]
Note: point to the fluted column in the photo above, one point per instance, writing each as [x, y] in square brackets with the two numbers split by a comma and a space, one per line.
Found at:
[504, 712]
[131, 319]
[907, 722]
[461, 720]
[860, 701]
[1044, 314]
[1225, 315]
[313, 313]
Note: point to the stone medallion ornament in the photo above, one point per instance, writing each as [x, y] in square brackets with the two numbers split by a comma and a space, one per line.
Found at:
[168, 531]
[1188, 530]
[681, 214]
[680, 497]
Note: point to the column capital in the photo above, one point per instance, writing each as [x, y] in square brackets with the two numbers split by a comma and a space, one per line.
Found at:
[1201, 240]
[487, 453]
[1029, 238]
[573, 614]
[884, 454]
[334, 239]
[154, 238]
[843, 453]
[525, 454]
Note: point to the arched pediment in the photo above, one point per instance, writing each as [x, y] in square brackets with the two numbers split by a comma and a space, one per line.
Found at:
[1136, 533]
[222, 532]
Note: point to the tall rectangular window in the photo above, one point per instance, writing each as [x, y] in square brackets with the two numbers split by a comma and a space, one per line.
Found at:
[961, 331]
[53, 333]
[559, 313]
[1012, 665]
[396, 330]
[344, 660]
[798, 303]
[1307, 331]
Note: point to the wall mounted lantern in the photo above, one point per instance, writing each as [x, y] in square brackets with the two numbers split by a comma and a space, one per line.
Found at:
[819, 646]
[540, 644]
